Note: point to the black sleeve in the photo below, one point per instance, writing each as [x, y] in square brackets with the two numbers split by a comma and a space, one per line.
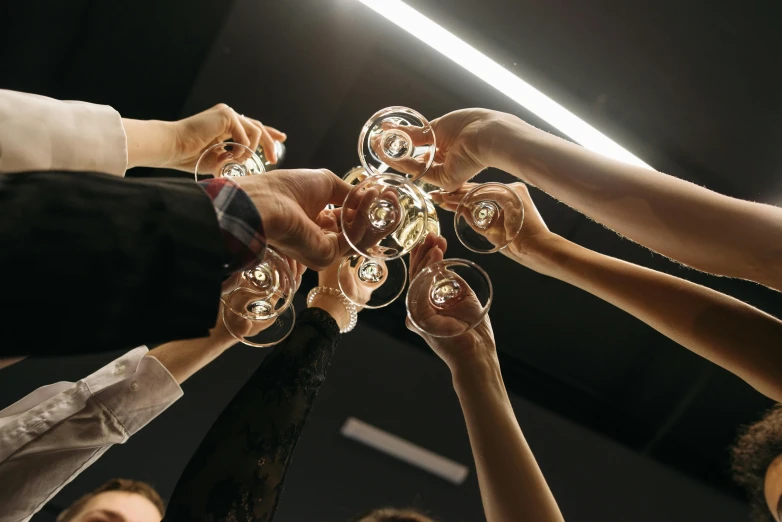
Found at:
[238, 471]
[95, 263]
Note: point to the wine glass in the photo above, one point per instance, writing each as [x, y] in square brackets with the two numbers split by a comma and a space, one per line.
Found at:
[279, 148]
[228, 160]
[489, 217]
[397, 140]
[257, 302]
[449, 298]
[371, 283]
[358, 174]
[384, 216]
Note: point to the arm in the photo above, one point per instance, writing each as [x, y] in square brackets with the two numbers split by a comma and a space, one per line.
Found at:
[688, 223]
[52, 435]
[39, 133]
[724, 330]
[239, 468]
[512, 485]
[142, 260]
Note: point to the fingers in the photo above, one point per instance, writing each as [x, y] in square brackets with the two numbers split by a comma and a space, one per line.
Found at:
[450, 200]
[254, 131]
[430, 251]
[435, 255]
[313, 247]
[340, 189]
[238, 134]
[297, 270]
[436, 175]
[266, 141]
[276, 135]
[328, 220]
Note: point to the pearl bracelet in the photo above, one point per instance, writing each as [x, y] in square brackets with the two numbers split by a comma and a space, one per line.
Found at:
[349, 307]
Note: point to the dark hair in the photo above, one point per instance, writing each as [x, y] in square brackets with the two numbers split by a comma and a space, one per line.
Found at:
[129, 486]
[392, 515]
[754, 451]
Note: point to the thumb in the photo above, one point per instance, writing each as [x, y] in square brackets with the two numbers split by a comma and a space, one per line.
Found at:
[313, 247]
[339, 190]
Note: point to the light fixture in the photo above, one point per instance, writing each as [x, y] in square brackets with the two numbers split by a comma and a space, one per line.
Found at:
[403, 450]
[500, 78]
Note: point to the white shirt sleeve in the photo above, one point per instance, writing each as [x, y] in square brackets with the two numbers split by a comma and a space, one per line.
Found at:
[50, 436]
[39, 133]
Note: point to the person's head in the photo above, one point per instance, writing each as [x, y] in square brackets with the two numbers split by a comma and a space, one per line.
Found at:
[392, 515]
[118, 500]
[756, 461]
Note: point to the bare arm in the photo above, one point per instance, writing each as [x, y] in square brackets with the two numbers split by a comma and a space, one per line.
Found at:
[184, 358]
[724, 330]
[683, 221]
[512, 486]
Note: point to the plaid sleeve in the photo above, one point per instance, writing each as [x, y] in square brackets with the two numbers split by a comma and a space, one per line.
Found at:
[240, 223]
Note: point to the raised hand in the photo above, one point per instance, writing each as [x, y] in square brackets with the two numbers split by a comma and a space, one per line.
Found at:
[290, 202]
[476, 343]
[198, 132]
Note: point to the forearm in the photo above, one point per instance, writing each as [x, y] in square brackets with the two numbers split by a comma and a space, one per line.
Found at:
[511, 483]
[683, 221]
[184, 358]
[724, 330]
[238, 470]
[150, 143]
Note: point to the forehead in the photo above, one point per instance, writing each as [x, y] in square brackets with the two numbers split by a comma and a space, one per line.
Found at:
[131, 507]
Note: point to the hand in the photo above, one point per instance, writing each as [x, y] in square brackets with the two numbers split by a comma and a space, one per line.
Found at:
[534, 238]
[356, 209]
[466, 144]
[477, 344]
[237, 278]
[195, 134]
[290, 202]
[505, 226]
[241, 327]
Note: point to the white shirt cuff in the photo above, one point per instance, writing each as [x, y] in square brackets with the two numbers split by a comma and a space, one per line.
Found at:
[39, 133]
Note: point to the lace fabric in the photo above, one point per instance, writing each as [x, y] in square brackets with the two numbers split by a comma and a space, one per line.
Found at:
[237, 472]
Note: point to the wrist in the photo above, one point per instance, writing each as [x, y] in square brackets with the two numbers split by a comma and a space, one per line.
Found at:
[333, 306]
[516, 146]
[545, 253]
[475, 371]
[151, 143]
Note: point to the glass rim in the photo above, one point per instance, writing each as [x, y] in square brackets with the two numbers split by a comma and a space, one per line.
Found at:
[444, 264]
[405, 182]
[365, 129]
[366, 306]
[256, 158]
[474, 190]
[259, 345]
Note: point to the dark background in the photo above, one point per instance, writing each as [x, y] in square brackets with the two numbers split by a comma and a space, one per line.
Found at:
[627, 425]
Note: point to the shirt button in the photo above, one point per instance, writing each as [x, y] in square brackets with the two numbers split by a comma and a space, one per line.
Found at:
[134, 386]
[119, 368]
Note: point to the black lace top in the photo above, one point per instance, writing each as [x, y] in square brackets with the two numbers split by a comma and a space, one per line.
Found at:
[237, 472]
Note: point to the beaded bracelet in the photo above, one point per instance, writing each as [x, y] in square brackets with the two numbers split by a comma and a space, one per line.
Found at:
[349, 307]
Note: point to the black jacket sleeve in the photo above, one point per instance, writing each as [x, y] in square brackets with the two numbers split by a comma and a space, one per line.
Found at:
[238, 471]
[93, 263]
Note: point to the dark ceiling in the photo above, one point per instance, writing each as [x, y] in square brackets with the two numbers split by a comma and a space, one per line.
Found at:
[693, 88]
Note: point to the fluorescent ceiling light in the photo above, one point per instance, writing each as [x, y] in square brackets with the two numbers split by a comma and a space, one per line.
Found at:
[403, 450]
[500, 78]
